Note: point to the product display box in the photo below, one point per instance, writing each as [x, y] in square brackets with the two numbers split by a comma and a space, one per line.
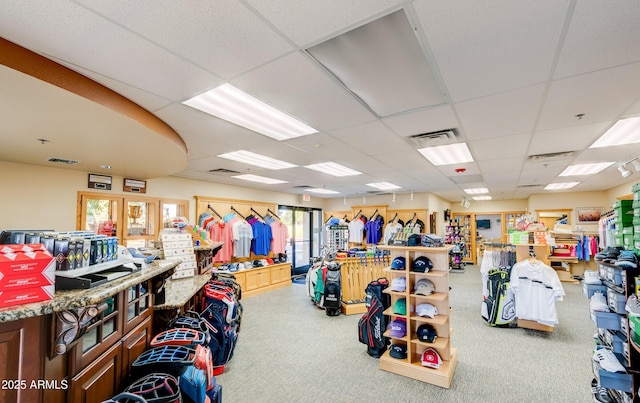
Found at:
[26, 296]
[26, 274]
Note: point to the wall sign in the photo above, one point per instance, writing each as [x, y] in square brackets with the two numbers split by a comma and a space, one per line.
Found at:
[134, 186]
[102, 182]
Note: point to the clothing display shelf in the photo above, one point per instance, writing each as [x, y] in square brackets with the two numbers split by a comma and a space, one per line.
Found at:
[439, 275]
[466, 227]
[338, 238]
[615, 330]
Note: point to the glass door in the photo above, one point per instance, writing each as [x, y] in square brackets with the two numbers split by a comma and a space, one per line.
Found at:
[305, 230]
[100, 214]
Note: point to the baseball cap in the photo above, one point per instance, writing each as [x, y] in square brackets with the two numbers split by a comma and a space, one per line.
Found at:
[398, 351]
[398, 328]
[427, 333]
[424, 287]
[398, 263]
[414, 240]
[426, 310]
[398, 284]
[431, 358]
[422, 264]
[400, 307]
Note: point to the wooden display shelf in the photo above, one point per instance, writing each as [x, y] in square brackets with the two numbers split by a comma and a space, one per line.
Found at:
[354, 308]
[530, 324]
[439, 377]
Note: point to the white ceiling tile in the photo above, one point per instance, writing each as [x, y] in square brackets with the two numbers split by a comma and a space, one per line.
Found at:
[297, 86]
[600, 96]
[306, 21]
[487, 47]
[361, 137]
[503, 114]
[600, 36]
[322, 147]
[223, 36]
[441, 117]
[497, 166]
[499, 148]
[566, 139]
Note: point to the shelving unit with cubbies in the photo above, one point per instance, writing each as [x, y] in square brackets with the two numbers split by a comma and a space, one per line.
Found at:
[439, 275]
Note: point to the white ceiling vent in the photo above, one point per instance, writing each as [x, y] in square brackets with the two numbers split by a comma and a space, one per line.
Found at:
[62, 161]
[435, 138]
[223, 171]
[550, 156]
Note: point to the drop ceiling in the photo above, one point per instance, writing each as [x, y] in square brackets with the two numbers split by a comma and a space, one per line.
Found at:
[513, 78]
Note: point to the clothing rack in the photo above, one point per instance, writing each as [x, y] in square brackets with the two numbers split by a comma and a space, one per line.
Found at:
[256, 213]
[272, 213]
[214, 212]
[374, 215]
[357, 214]
[394, 218]
[237, 212]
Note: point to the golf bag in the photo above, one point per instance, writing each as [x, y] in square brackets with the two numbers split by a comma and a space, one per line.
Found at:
[373, 323]
[333, 290]
[498, 307]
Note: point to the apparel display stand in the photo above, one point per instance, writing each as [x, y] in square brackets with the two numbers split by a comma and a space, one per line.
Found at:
[412, 365]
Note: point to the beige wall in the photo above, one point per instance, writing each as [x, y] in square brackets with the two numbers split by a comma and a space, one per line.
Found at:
[36, 197]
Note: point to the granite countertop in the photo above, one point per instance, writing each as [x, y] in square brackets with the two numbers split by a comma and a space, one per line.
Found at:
[64, 300]
[178, 291]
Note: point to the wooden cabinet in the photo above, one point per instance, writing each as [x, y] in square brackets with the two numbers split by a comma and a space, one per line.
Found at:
[100, 380]
[256, 281]
[280, 273]
[257, 278]
[439, 275]
[135, 343]
[21, 353]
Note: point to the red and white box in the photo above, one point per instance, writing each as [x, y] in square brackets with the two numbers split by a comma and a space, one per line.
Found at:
[26, 262]
[26, 296]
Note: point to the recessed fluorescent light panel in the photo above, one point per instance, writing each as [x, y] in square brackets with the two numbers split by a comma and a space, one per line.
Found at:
[332, 168]
[322, 191]
[558, 186]
[259, 179]
[231, 104]
[481, 197]
[383, 185]
[476, 191]
[248, 157]
[624, 131]
[446, 155]
[585, 169]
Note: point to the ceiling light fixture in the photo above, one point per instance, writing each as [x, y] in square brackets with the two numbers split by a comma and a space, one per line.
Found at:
[476, 191]
[231, 104]
[448, 154]
[624, 171]
[248, 157]
[411, 195]
[624, 131]
[465, 202]
[259, 179]
[334, 169]
[322, 191]
[394, 197]
[383, 185]
[585, 169]
[481, 197]
[636, 164]
[558, 186]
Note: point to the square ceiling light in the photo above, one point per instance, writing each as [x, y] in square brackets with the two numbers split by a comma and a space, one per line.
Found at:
[322, 191]
[383, 64]
[559, 186]
[233, 105]
[248, 157]
[334, 169]
[383, 185]
[624, 131]
[449, 154]
[487, 197]
[259, 179]
[585, 169]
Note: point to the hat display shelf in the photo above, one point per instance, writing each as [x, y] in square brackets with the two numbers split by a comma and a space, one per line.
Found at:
[436, 277]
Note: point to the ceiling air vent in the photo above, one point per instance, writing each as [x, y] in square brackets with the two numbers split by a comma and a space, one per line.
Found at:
[223, 171]
[301, 187]
[62, 161]
[529, 186]
[435, 138]
[550, 156]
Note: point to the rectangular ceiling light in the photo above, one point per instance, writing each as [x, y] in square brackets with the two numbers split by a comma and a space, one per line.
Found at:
[558, 186]
[476, 191]
[449, 154]
[383, 185]
[322, 191]
[481, 197]
[332, 168]
[585, 169]
[247, 157]
[259, 179]
[380, 58]
[231, 104]
[624, 131]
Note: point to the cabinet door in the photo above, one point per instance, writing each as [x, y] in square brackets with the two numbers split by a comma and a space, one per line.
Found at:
[252, 280]
[280, 273]
[137, 305]
[134, 344]
[100, 380]
[20, 359]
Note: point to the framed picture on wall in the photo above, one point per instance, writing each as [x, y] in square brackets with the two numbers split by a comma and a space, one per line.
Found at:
[588, 215]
